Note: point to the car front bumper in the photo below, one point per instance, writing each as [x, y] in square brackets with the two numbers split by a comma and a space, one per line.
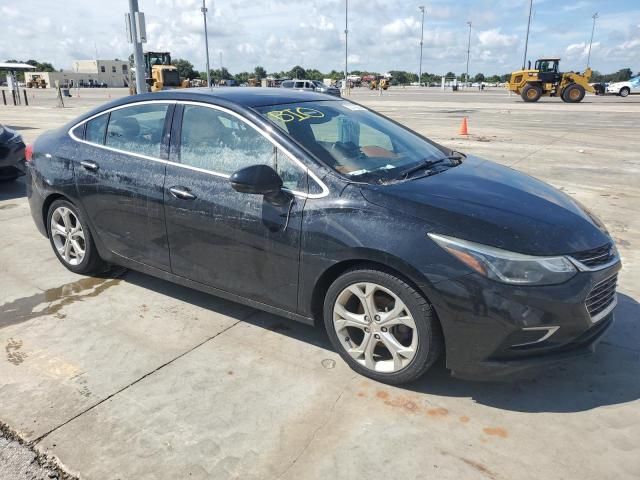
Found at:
[494, 330]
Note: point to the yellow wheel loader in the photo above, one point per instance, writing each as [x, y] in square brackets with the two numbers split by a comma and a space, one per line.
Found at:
[545, 80]
[160, 73]
[380, 82]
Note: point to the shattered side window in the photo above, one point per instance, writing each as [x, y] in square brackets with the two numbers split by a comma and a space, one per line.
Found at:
[221, 143]
[137, 129]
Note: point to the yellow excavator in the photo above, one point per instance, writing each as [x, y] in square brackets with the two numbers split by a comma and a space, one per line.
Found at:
[545, 80]
[160, 73]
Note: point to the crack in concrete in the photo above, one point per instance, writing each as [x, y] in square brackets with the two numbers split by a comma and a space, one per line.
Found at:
[46, 434]
[315, 432]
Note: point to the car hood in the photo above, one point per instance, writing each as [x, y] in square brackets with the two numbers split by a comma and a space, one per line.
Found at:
[484, 202]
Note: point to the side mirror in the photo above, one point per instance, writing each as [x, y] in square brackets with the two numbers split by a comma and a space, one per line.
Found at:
[258, 180]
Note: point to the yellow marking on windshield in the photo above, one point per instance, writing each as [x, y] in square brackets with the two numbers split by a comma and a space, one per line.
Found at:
[300, 113]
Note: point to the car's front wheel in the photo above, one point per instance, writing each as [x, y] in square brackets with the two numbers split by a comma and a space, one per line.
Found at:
[624, 92]
[71, 239]
[381, 326]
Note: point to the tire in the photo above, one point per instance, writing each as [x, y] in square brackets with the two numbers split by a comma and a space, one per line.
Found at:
[417, 336]
[624, 92]
[531, 93]
[86, 263]
[573, 93]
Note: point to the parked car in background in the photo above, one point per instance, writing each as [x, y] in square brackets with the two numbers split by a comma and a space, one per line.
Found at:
[311, 86]
[12, 151]
[624, 89]
[321, 210]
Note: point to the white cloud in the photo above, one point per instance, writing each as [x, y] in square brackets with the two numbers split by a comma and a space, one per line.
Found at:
[494, 38]
[401, 27]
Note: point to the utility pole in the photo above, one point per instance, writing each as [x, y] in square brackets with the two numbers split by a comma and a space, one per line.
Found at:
[468, 52]
[593, 28]
[346, 43]
[206, 41]
[138, 57]
[421, 42]
[526, 42]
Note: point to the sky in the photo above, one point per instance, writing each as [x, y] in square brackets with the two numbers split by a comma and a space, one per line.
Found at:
[278, 34]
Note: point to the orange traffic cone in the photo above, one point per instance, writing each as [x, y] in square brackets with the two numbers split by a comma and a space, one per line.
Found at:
[463, 127]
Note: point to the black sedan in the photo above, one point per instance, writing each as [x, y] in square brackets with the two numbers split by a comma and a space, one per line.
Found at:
[12, 152]
[321, 210]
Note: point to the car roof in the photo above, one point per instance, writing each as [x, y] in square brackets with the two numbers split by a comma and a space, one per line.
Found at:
[246, 97]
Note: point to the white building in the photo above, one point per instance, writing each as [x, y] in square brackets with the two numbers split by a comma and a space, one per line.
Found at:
[112, 73]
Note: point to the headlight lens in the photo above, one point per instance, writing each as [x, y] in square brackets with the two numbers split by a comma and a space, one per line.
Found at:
[505, 266]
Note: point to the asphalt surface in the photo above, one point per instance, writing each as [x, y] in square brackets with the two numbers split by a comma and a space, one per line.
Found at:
[127, 376]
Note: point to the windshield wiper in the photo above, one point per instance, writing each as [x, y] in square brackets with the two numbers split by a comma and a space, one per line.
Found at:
[426, 164]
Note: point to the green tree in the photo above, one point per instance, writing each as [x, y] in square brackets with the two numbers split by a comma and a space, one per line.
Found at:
[297, 72]
[185, 68]
[400, 77]
[242, 77]
[478, 78]
[259, 72]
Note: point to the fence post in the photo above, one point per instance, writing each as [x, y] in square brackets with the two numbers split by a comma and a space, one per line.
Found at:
[26, 102]
[4, 97]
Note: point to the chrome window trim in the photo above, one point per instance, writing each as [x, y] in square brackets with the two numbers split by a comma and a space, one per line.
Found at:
[296, 161]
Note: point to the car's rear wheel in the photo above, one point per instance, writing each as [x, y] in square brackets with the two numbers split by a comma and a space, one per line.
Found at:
[71, 239]
[381, 326]
[624, 92]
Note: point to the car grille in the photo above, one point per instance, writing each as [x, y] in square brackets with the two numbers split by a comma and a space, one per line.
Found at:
[596, 256]
[601, 296]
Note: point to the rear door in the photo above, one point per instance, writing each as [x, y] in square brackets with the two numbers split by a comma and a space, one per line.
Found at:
[120, 179]
[237, 242]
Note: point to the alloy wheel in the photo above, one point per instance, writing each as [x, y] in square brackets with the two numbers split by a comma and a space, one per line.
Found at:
[375, 327]
[68, 236]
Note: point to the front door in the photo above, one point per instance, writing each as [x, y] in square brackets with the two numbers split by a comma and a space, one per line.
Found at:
[237, 242]
[120, 180]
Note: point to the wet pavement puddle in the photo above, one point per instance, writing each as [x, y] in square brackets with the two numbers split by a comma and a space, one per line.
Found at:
[53, 300]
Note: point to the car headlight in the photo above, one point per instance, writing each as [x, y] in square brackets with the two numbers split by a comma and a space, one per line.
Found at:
[505, 266]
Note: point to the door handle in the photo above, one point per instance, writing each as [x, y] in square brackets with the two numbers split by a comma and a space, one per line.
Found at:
[92, 166]
[182, 193]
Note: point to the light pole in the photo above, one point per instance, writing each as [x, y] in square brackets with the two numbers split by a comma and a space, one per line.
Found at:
[206, 41]
[138, 57]
[526, 42]
[421, 7]
[466, 78]
[593, 28]
[346, 43]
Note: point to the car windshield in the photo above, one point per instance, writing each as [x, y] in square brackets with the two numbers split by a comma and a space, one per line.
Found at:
[353, 140]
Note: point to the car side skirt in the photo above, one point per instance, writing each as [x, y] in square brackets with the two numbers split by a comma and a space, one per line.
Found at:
[140, 267]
